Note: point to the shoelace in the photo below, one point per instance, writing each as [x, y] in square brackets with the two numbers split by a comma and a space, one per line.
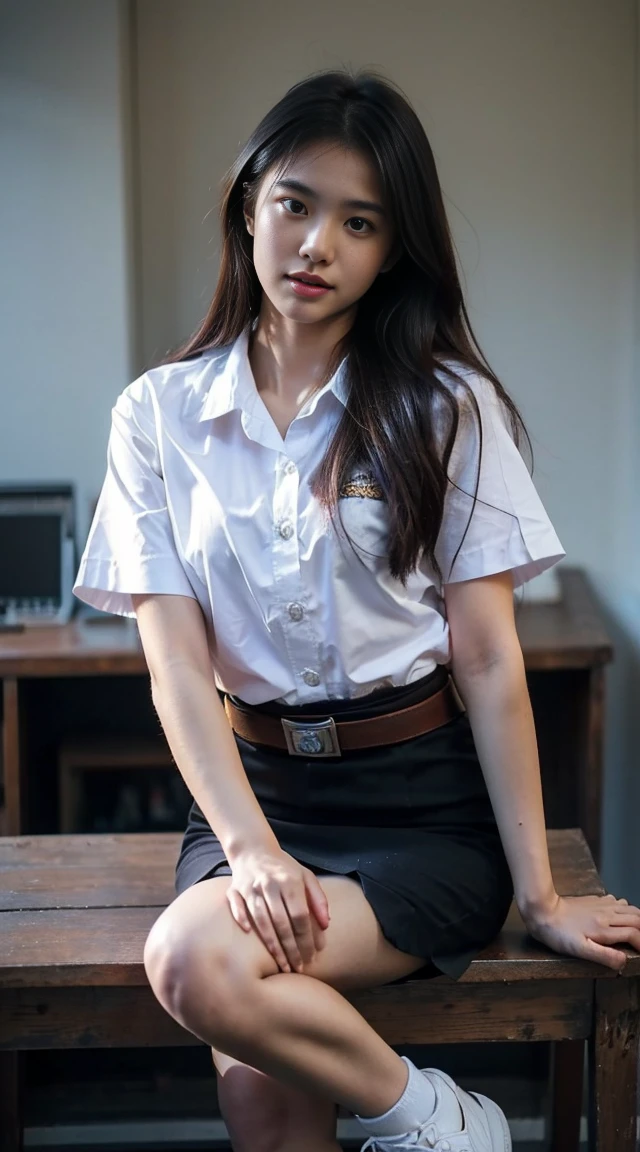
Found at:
[425, 1132]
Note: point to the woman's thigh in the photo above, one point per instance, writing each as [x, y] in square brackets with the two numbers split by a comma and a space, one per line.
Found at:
[351, 953]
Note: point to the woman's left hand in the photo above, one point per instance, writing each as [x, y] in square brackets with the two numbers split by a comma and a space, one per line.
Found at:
[588, 926]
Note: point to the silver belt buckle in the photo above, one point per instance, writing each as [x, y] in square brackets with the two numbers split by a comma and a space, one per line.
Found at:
[304, 738]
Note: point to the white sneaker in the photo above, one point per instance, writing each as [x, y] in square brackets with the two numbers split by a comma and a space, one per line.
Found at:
[484, 1124]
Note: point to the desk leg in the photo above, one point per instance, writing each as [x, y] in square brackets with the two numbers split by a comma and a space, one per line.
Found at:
[14, 796]
[613, 1065]
[566, 1095]
[11, 1099]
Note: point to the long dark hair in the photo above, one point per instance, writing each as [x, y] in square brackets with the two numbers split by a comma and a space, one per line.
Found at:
[411, 319]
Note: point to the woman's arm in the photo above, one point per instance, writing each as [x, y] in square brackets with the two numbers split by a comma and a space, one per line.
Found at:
[270, 890]
[488, 669]
[199, 735]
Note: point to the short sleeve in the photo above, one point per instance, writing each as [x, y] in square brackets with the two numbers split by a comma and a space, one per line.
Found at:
[131, 546]
[509, 529]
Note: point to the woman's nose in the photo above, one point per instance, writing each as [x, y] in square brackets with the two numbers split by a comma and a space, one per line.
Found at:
[318, 244]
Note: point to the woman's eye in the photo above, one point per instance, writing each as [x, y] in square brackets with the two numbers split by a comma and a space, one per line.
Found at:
[359, 219]
[288, 200]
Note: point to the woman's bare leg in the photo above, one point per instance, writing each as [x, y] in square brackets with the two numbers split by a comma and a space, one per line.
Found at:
[264, 1114]
[223, 985]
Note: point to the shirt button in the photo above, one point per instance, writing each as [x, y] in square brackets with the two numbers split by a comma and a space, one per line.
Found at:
[310, 677]
[286, 530]
[296, 611]
[290, 467]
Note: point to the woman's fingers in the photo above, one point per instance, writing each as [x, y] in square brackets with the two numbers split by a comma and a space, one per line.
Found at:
[270, 932]
[600, 954]
[285, 929]
[317, 897]
[620, 934]
[319, 937]
[239, 909]
[293, 930]
[269, 890]
[301, 920]
[298, 928]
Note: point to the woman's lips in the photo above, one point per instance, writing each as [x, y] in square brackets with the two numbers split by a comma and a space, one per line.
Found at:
[301, 288]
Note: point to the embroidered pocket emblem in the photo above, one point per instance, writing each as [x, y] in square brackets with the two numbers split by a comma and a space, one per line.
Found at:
[362, 484]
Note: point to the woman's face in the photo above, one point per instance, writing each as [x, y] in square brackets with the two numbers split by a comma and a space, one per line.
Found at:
[324, 217]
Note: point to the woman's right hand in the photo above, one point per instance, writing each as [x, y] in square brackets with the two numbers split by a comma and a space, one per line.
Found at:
[271, 893]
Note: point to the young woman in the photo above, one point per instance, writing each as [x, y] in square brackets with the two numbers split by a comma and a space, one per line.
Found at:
[318, 512]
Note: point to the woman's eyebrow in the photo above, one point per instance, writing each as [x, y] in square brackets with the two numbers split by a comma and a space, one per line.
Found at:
[298, 186]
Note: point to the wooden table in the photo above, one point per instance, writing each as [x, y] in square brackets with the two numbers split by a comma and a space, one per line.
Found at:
[75, 912]
[565, 647]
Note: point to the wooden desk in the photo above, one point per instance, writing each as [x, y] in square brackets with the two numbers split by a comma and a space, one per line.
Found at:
[565, 648]
[75, 912]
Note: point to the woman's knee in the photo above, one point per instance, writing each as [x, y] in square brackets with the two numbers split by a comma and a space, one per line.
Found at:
[194, 976]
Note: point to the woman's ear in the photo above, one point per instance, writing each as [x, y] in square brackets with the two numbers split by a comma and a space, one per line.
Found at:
[248, 218]
[393, 257]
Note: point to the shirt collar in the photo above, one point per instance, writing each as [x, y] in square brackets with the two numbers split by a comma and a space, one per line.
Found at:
[234, 385]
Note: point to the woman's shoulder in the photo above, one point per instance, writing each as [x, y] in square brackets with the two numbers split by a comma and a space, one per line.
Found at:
[458, 377]
[474, 395]
[174, 390]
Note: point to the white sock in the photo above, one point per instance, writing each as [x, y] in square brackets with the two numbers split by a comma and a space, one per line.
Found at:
[412, 1109]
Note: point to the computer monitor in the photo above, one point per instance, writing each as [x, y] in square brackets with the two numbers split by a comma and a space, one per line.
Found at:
[37, 553]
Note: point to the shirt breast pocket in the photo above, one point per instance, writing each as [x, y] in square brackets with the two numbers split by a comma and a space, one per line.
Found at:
[363, 515]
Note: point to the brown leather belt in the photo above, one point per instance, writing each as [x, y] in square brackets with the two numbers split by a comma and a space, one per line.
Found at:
[312, 736]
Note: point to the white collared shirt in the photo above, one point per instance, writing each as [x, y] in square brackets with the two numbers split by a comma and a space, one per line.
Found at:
[203, 498]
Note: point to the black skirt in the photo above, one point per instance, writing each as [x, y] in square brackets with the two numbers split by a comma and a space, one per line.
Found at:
[412, 821]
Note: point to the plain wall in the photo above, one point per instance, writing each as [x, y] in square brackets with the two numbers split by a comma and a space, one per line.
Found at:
[66, 247]
[120, 121]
